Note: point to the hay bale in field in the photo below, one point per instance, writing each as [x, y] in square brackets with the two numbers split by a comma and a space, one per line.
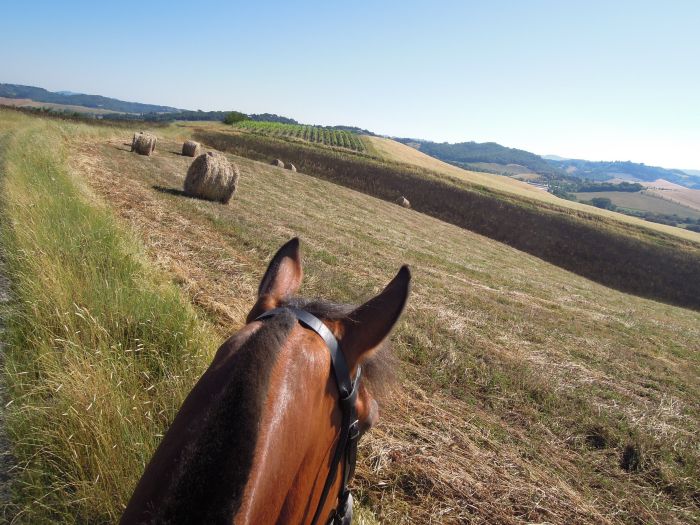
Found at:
[133, 140]
[403, 201]
[290, 166]
[190, 148]
[144, 143]
[212, 177]
[278, 163]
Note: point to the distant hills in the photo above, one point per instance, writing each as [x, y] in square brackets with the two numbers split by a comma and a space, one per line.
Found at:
[135, 110]
[631, 171]
[473, 155]
[486, 156]
[467, 154]
[78, 99]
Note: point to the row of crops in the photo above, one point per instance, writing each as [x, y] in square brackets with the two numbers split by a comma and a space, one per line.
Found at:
[318, 134]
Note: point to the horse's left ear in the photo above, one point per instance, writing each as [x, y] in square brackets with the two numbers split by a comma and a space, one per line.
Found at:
[366, 327]
[281, 280]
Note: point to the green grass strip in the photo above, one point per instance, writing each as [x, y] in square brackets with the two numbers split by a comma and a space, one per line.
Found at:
[101, 350]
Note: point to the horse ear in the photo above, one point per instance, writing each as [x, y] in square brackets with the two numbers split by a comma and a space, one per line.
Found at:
[281, 280]
[367, 326]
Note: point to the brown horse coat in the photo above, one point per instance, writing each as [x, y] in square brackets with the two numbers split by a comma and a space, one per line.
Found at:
[253, 441]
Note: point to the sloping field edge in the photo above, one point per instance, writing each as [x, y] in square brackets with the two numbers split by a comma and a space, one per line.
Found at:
[630, 259]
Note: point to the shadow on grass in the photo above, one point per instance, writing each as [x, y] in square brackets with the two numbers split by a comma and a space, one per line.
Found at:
[171, 191]
[180, 193]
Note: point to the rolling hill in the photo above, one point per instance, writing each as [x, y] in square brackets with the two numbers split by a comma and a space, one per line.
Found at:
[90, 101]
[624, 170]
[492, 157]
[469, 154]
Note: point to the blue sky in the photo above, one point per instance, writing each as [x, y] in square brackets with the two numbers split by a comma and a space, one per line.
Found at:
[596, 80]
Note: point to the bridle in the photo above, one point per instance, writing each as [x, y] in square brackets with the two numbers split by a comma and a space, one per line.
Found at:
[346, 451]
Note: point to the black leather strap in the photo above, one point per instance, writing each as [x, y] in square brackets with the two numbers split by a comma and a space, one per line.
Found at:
[340, 367]
[346, 450]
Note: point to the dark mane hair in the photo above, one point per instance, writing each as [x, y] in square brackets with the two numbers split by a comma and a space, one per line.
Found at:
[231, 424]
[378, 372]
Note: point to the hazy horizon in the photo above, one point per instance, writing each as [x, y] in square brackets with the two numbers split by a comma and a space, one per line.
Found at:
[594, 81]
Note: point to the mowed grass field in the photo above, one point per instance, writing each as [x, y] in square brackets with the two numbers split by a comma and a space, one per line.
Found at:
[675, 193]
[527, 394]
[642, 201]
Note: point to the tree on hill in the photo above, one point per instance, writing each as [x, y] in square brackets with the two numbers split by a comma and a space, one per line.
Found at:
[233, 117]
[601, 202]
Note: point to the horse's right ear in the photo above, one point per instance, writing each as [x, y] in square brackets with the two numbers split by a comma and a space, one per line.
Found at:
[281, 280]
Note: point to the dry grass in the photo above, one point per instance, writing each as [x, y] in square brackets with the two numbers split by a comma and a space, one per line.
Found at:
[522, 383]
[676, 193]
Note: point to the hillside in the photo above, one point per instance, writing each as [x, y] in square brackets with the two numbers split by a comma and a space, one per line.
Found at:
[91, 101]
[467, 154]
[625, 170]
[397, 152]
[666, 267]
[33, 104]
[675, 193]
[394, 151]
[527, 394]
[494, 158]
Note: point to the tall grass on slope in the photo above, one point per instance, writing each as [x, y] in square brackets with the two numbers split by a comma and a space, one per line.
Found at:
[100, 351]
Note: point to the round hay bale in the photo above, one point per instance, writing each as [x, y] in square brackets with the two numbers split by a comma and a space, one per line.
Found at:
[278, 163]
[190, 148]
[290, 166]
[212, 177]
[144, 143]
[133, 140]
[403, 201]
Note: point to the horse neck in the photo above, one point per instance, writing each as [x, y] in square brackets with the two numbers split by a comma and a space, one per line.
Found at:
[298, 430]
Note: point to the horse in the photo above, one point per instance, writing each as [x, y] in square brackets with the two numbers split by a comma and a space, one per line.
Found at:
[268, 434]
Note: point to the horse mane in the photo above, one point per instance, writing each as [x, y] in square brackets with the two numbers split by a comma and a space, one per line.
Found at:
[227, 438]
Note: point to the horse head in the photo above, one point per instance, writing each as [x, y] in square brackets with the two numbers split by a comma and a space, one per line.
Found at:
[268, 433]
